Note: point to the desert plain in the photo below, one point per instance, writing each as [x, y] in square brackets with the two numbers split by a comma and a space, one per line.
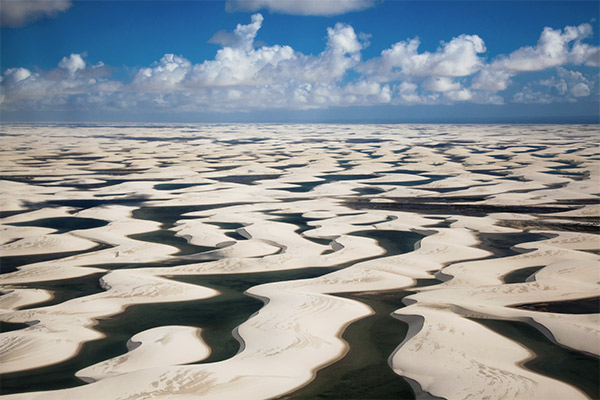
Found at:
[256, 261]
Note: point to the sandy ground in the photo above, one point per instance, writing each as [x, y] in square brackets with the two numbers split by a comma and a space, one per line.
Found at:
[221, 200]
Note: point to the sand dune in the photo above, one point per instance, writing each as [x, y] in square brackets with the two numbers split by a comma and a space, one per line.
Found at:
[488, 233]
[59, 330]
[163, 346]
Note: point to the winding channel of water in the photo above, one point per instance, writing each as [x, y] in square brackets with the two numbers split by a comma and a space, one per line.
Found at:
[363, 373]
[218, 316]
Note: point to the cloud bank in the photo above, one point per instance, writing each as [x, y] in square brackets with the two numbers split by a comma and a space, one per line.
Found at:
[17, 13]
[246, 77]
[325, 8]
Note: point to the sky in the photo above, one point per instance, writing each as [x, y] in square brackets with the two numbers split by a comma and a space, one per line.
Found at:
[300, 61]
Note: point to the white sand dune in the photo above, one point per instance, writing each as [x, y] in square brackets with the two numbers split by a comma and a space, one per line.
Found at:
[201, 234]
[121, 248]
[61, 329]
[162, 346]
[455, 367]
[14, 297]
[13, 233]
[477, 290]
[487, 181]
[46, 244]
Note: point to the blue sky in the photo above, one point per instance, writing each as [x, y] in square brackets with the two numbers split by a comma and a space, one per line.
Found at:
[306, 61]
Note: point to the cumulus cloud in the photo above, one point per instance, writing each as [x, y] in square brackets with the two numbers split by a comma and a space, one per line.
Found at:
[245, 34]
[574, 83]
[459, 95]
[408, 93]
[367, 92]
[164, 76]
[492, 80]
[245, 75]
[441, 84]
[242, 37]
[241, 64]
[17, 13]
[459, 57]
[304, 7]
[55, 87]
[564, 86]
[555, 47]
[242, 76]
[341, 54]
[580, 90]
[530, 96]
[16, 74]
[73, 63]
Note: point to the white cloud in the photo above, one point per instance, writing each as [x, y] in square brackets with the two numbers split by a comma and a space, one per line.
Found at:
[441, 84]
[565, 86]
[165, 76]
[580, 90]
[245, 75]
[242, 37]
[408, 93]
[72, 64]
[342, 39]
[583, 53]
[55, 87]
[303, 7]
[341, 54]
[17, 13]
[553, 49]
[455, 58]
[240, 77]
[459, 95]
[245, 34]
[367, 92]
[16, 74]
[575, 84]
[241, 64]
[20, 83]
[492, 80]
[530, 96]
[363, 88]
[560, 86]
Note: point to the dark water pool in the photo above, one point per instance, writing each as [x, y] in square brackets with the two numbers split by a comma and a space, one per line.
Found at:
[218, 316]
